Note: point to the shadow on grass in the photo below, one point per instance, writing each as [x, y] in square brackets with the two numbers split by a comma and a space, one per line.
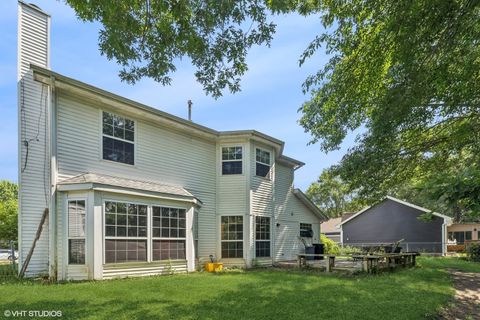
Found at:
[407, 294]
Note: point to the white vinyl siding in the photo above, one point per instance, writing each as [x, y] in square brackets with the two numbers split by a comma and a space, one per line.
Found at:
[34, 181]
[161, 154]
[289, 213]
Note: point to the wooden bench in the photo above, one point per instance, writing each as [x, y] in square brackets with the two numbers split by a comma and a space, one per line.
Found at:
[302, 260]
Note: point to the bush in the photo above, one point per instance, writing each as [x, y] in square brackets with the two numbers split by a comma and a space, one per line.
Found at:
[347, 250]
[473, 251]
[330, 246]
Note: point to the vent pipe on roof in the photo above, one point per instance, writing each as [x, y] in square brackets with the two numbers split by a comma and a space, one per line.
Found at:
[189, 102]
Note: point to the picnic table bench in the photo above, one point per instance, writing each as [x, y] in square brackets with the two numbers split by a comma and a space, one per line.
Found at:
[370, 262]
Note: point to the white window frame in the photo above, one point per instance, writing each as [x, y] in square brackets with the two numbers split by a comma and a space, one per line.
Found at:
[311, 229]
[268, 176]
[134, 142]
[84, 237]
[236, 240]
[105, 237]
[232, 160]
[165, 238]
[263, 240]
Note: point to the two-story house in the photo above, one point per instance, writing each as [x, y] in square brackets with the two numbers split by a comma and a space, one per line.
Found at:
[129, 190]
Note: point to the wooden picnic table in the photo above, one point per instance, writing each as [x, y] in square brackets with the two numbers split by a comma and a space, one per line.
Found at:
[370, 262]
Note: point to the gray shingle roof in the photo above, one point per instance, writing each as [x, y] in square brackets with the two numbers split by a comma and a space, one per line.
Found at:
[102, 179]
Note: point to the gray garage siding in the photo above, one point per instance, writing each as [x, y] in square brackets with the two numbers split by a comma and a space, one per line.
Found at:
[390, 221]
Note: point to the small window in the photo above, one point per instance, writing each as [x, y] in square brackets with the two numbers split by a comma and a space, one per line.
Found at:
[231, 160]
[468, 235]
[262, 158]
[76, 232]
[262, 237]
[306, 230]
[232, 236]
[118, 138]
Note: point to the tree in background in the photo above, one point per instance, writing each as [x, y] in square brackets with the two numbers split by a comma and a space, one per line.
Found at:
[8, 211]
[406, 73]
[332, 195]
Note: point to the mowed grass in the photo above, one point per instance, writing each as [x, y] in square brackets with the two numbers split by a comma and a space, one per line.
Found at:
[260, 294]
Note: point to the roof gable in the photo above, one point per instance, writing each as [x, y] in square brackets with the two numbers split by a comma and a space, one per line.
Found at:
[446, 218]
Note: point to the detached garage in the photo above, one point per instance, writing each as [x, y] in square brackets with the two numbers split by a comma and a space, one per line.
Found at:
[392, 220]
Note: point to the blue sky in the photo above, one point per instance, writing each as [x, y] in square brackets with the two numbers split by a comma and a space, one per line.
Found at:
[271, 89]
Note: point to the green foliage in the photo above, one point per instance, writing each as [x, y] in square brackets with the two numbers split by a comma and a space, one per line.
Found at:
[426, 217]
[330, 246]
[473, 251]
[348, 250]
[147, 38]
[332, 195]
[8, 211]
[400, 74]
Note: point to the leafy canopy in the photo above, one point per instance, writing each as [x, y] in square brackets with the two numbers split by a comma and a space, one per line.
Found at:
[8, 210]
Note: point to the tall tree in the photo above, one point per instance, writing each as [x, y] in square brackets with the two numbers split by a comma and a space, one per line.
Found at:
[332, 195]
[406, 73]
[8, 210]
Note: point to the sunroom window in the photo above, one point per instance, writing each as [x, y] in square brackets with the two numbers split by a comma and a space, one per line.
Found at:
[168, 233]
[262, 158]
[118, 138]
[125, 232]
[232, 236]
[231, 160]
[76, 232]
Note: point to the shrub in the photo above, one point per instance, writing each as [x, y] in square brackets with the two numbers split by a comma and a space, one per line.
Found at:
[473, 251]
[350, 250]
[330, 246]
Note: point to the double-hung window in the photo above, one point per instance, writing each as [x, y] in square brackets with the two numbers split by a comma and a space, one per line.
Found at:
[306, 230]
[125, 232]
[262, 158]
[232, 160]
[232, 236]
[118, 138]
[168, 233]
[262, 237]
[76, 232]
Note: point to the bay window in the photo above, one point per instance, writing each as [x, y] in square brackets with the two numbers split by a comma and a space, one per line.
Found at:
[76, 232]
[262, 237]
[262, 161]
[168, 233]
[232, 236]
[125, 232]
[232, 160]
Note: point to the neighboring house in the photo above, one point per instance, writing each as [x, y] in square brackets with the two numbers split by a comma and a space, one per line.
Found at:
[132, 190]
[392, 220]
[331, 229]
[460, 233]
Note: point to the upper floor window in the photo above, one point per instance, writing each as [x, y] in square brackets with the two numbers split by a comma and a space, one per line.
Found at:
[262, 158]
[231, 160]
[118, 138]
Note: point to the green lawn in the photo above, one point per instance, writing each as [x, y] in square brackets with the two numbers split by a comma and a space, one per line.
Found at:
[407, 294]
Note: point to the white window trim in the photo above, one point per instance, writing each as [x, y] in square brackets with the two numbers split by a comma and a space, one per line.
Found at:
[149, 236]
[242, 160]
[105, 237]
[134, 142]
[84, 237]
[262, 240]
[243, 235]
[268, 176]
